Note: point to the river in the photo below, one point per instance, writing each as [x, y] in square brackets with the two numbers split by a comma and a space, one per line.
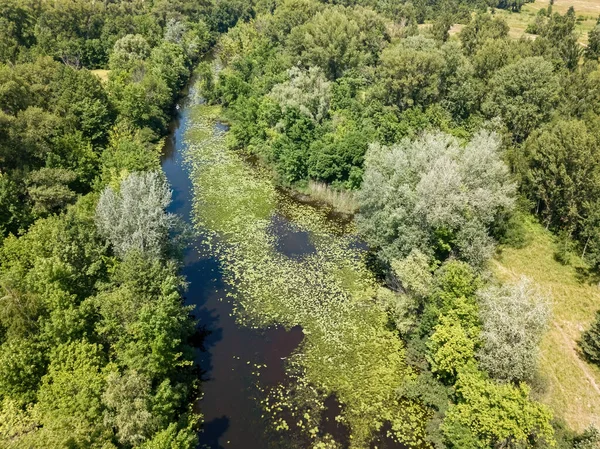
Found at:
[286, 301]
[230, 352]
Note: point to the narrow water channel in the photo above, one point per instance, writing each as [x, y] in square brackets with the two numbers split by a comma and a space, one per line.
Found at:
[262, 259]
[231, 414]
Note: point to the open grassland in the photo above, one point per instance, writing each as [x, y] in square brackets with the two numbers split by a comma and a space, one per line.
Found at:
[568, 384]
[587, 12]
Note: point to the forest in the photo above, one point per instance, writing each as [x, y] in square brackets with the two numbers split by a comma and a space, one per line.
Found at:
[438, 134]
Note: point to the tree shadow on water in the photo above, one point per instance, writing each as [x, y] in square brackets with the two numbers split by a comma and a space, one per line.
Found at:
[211, 432]
[204, 277]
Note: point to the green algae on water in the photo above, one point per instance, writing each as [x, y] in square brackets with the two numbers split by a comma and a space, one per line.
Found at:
[348, 350]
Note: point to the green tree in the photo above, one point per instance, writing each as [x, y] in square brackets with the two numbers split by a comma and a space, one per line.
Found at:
[330, 40]
[441, 27]
[450, 348]
[558, 40]
[16, 28]
[128, 51]
[590, 341]
[290, 14]
[410, 72]
[560, 171]
[592, 50]
[481, 28]
[22, 365]
[169, 62]
[488, 414]
[128, 402]
[337, 157]
[514, 318]
[69, 399]
[49, 189]
[129, 150]
[307, 91]
[524, 94]
[494, 54]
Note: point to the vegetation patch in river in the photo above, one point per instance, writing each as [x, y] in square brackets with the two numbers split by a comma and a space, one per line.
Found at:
[348, 350]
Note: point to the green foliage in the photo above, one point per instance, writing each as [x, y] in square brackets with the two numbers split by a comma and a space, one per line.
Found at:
[514, 319]
[414, 274]
[488, 414]
[492, 55]
[49, 189]
[427, 194]
[558, 40]
[127, 399]
[128, 51]
[128, 150]
[93, 349]
[452, 294]
[592, 50]
[330, 40]
[513, 5]
[560, 173]
[69, 398]
[590, 341]
[308, 92]
[71, 316]
[523, 94]
[410, 72]
[16, 24]
[451, 348]
[22, 365]
[481, 28]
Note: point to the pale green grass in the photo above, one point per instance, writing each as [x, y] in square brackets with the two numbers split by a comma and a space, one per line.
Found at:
[569, 385]
[101, 73]
[340, 200]
[587, 11]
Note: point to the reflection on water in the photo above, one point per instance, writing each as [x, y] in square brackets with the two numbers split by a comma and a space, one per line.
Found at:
[291, 241]
[232, 357]
[229, 354]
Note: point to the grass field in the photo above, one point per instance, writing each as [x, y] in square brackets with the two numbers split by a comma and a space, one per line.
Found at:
[569, 385]
[101, 73]
[587, 12]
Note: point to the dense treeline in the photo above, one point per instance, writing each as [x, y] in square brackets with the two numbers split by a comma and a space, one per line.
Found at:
[309, 87]
[94, 339]
[447, 143]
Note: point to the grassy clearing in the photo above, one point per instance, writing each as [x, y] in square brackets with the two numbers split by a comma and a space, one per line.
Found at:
[569, 385]
[102, 74]
[587, 12]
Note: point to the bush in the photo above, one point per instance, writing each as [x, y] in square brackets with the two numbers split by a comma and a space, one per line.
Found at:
[590, 341]
[514, 318]
[135, 216]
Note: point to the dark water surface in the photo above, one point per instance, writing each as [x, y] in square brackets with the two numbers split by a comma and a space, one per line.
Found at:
[230, 353]
[230, 406]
